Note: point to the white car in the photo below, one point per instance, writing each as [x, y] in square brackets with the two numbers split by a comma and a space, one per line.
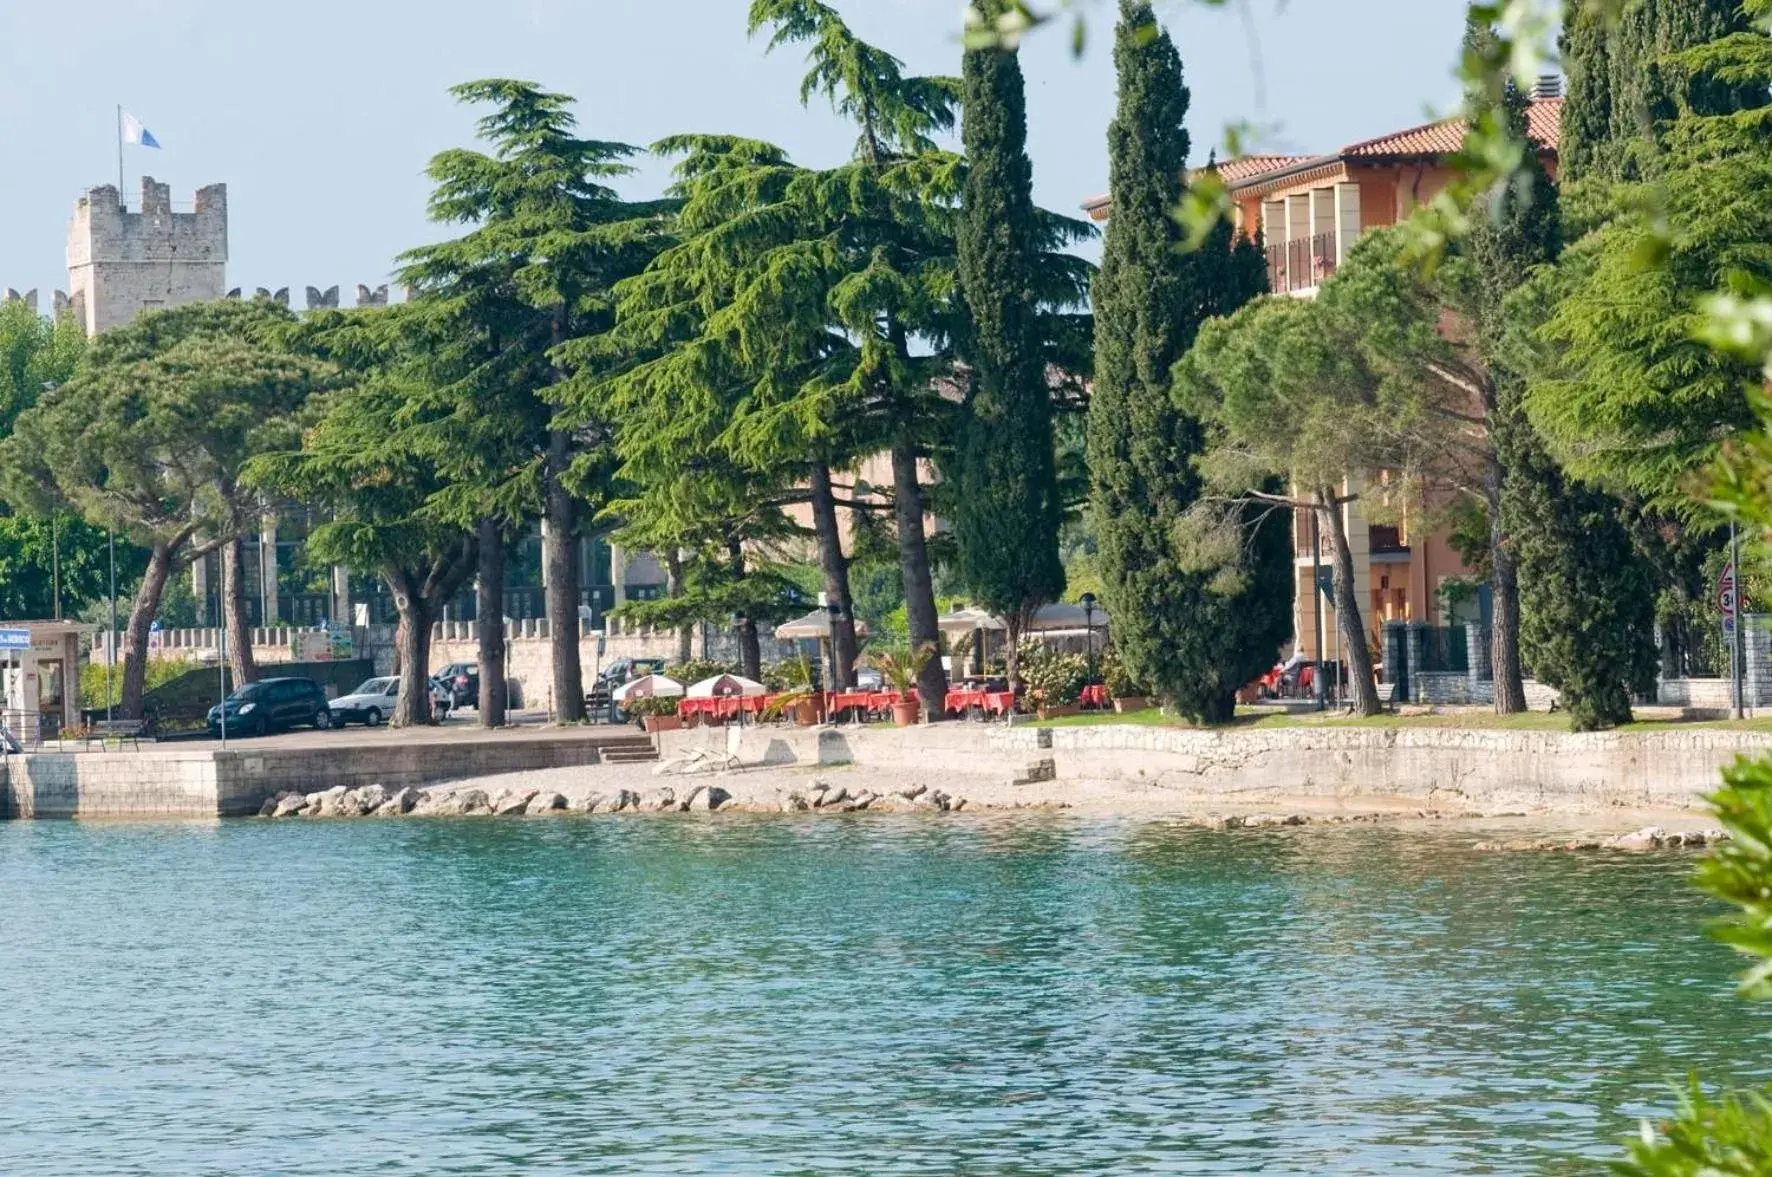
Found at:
[373, 702]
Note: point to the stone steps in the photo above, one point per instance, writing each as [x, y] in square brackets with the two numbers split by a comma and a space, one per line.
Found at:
[638, 751]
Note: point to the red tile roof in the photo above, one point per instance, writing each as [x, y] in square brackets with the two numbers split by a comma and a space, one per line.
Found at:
[1247, 167]
[1543, 123]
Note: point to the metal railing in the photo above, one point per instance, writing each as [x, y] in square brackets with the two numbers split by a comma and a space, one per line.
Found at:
[1303, 264]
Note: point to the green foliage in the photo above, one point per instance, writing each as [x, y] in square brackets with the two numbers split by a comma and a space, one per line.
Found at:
[35, 353]
[1628, 391]
[1006, 508]
[27, 565]
[690, 673]
[642, 708]
[1121, 682]
[1587, 606]
[900, 667]
[160, 671]
[1053, 679]
[151, 432]
[1173, 621]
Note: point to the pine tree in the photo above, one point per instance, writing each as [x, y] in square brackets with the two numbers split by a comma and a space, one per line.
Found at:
[1007, 509]
[547, 240]
[1176, 631]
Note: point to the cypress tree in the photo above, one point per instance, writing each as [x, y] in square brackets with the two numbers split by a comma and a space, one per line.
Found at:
[1174, 625]
[1006, 503]
[1587, 617]
[1585, 141]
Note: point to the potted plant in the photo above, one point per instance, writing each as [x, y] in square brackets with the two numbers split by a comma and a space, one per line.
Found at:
[1128, 694]
[900, 669]
[795, 696]
[655, 715]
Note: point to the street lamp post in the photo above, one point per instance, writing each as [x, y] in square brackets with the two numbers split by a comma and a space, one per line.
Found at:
[1089, 630]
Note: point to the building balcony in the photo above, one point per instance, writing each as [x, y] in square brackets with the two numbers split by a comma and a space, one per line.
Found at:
[1302, 265]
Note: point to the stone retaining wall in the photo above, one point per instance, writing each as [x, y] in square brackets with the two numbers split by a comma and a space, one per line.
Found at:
[1447, 767]
[208, 782]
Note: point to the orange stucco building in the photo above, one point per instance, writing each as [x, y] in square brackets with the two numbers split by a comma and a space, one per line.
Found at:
[1308, 211]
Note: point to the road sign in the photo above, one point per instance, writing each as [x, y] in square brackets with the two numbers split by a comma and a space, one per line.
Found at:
[1326, 583]
[1726, 590]
[15, 639]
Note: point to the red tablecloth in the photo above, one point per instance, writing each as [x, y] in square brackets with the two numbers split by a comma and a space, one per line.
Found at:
[963, 699]
[726, 707]
[868, 701]
[1094, 695]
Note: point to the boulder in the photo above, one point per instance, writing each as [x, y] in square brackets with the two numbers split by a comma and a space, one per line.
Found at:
[399, 803]
[511, 801]
[546, 803]
[957, 804]
[1647, 838]
[667, 800]
[468, 801]
[688, 802]
[710, 799]
[831, 797]
[941, 800]
[865, 798]
[912, 793]
[289, 805]
[795, 803]
[589, 803]
[371, 797]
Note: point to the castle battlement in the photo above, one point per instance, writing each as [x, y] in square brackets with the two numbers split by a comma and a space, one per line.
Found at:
[122, 262]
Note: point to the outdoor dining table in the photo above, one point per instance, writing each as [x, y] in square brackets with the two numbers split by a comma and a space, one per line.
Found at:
[1094, 695]
[866, 702]
[722, 707]
[961, 700]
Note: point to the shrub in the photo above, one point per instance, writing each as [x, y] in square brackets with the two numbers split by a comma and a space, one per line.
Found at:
[1052, 678]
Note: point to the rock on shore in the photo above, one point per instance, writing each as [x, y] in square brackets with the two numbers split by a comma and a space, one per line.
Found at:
[1645, 839]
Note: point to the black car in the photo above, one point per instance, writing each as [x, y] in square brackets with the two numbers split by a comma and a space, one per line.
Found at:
[462, 681]
[272, 705]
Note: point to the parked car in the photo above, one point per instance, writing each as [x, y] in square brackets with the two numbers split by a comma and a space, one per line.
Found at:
[462, 681]
[271, 705]
[373, 702]
[616, 673]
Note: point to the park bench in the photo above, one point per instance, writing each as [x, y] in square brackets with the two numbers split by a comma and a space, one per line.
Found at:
[104, 731]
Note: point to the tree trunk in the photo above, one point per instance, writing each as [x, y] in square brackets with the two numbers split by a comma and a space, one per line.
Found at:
[836, 576]
[412, 706]
[489, 606]
[674, 586]
[750, 650]
[562, 592]
[162, 560]
[919, 587]
[1012, 625]
[1504, 617]
[1353, 629]
[233, 597]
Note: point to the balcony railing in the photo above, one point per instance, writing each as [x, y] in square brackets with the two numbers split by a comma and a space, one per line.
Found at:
[1304, 264]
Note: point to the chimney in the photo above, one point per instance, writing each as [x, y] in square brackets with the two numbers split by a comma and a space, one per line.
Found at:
[1548, 86]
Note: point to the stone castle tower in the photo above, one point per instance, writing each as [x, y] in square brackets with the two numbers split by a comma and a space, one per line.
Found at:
[121, 262]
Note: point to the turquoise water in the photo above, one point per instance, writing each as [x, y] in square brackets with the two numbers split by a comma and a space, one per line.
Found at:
[860, 996]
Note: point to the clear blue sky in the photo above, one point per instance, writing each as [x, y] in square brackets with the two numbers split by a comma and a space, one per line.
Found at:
[320, 115]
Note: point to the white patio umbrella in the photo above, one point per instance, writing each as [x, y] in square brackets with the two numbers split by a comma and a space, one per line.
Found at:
[816, 624]
[648, 686]
[723, 686]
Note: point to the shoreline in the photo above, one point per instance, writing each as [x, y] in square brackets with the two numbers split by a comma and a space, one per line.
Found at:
[1603, 782]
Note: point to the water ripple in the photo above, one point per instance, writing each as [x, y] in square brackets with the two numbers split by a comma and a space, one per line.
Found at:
[1033, 995]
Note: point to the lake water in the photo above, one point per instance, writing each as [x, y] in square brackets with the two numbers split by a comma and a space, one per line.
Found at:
[873, 995]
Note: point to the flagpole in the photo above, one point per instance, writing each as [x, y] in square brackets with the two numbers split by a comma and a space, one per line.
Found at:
[120, 199]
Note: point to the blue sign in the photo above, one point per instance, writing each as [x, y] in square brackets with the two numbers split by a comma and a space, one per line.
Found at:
[15, 639]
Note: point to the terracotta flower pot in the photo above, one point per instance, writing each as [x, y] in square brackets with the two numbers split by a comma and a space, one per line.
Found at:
[1060, 711]
[663, 723]
[1132, 703]
[806, 713]
[905, 714]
